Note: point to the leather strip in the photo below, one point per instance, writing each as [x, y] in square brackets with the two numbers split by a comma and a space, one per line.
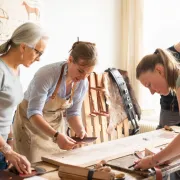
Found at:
[158, 173]
[90, 174]
[59, 82]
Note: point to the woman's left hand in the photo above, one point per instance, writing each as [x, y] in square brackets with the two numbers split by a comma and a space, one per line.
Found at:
[82, 134]
[144, 163]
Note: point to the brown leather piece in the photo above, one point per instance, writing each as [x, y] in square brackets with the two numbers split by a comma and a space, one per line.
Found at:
[4, 175]
[85, 140]
[158, 173]
[35, 171]
[115, 99]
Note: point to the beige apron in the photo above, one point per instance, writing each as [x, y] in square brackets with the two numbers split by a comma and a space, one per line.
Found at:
[30, 141]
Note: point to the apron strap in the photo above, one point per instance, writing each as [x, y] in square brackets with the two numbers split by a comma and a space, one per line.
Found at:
[59, 82]
[72, 92]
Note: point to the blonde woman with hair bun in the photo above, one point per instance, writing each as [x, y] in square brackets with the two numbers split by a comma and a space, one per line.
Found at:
[25, 46]
[160, 73]
[56, 90]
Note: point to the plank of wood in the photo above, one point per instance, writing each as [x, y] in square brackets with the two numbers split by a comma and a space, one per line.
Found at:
[86, 115]
[103, 119]
[48, 167]
[126, 127]
[90, 155]
[119, 131]
[83, 172]
[95, 120]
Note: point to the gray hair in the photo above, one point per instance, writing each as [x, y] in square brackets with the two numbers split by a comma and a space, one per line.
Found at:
[28, 33]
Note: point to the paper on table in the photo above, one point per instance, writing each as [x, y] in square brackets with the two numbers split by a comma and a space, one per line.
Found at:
[176, 128]
[35, 178]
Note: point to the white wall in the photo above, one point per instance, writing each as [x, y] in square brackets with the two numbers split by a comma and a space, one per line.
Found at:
[161, 30]
[65, 20]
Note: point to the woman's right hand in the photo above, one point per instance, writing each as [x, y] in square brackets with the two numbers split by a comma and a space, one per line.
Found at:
[65, 142]
[19, 161]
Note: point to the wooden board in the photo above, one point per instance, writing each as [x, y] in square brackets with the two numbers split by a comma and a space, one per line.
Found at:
[89, 155]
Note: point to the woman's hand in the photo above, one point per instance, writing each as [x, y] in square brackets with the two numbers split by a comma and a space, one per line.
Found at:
[65, 142]
[10, 142]
[145, 163]
[82, 134]
[19, 161]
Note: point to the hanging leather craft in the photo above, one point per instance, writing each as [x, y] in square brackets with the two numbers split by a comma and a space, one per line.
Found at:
[135, 103]
[124, 93]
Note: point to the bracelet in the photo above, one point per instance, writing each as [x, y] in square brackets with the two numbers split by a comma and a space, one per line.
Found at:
[154, 161]
[5, 149]
[10, 139]
[55, 137]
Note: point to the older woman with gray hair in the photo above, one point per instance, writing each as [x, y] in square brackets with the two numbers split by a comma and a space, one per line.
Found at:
[25, 46]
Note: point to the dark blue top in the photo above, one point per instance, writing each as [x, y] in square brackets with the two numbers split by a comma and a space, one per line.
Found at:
[170, 102]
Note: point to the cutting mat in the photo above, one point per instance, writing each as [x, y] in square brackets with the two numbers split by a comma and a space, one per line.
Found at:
[90, 155]
[122, 164]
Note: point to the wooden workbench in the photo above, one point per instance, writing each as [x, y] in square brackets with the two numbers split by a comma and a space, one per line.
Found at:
[166, 170]
[92, 154]
[117, 152]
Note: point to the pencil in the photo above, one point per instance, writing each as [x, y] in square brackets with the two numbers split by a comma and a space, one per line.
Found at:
[132, 165]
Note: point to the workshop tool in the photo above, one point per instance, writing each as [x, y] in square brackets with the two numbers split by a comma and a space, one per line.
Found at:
[85, 140]
[168, 128]
[132, 165]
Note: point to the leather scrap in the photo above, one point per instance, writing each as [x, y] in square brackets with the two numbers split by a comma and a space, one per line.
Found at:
[35, 171]
[4, 175]
[85, 139]
[90, 174]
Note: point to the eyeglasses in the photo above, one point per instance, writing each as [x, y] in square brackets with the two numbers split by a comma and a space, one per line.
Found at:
[37, 51]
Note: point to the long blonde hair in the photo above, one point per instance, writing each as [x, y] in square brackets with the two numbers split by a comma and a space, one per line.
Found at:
[164, 58]
[28, 33]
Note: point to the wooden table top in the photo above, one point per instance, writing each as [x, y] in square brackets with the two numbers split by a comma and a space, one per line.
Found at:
[118, 152]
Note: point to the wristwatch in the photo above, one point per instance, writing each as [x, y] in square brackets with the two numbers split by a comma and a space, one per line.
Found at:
[55, 137]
